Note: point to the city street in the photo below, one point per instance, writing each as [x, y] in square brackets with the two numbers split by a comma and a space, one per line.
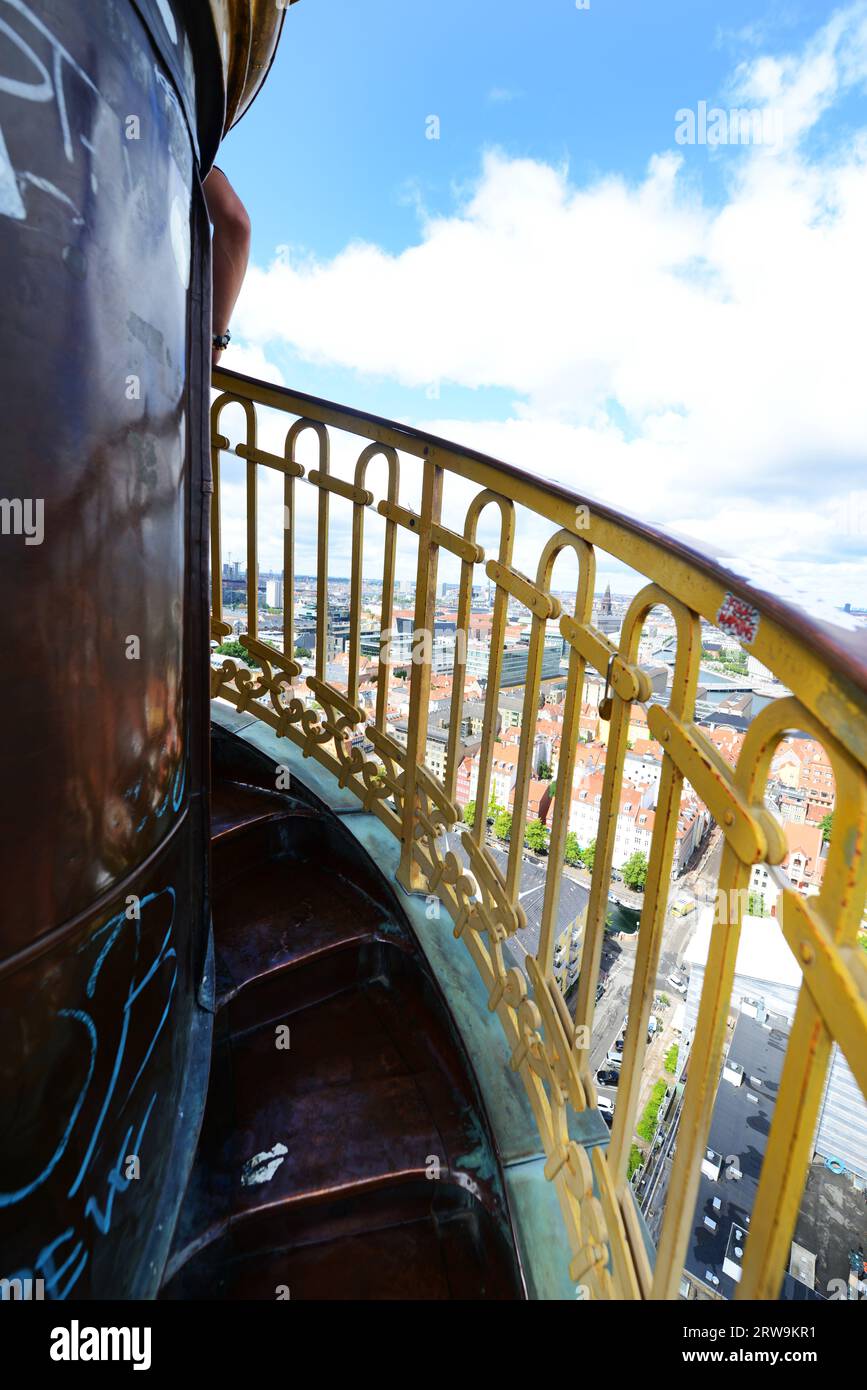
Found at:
[618, 961]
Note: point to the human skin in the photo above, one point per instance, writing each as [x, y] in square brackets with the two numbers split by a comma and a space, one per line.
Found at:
[230, 250]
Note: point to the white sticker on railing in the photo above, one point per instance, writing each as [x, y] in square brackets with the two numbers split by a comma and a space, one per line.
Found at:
[738, 618]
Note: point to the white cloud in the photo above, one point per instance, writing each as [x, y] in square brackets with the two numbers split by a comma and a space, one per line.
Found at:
[691, 362]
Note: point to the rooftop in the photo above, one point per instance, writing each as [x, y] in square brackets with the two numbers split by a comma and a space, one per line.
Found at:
[762, 951]
[739, 1129]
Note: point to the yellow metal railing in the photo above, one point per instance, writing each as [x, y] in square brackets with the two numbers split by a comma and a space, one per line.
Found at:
[828, 681]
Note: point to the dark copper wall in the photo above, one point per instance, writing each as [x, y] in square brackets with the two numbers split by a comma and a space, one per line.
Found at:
[103, 266]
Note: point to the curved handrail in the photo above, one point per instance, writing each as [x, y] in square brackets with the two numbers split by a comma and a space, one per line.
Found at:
[843, 649]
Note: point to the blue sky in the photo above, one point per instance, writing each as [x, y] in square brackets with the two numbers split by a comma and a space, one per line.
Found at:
[557, 164]
[334, 146]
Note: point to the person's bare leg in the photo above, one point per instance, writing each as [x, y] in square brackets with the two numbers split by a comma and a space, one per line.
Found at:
[230, 249]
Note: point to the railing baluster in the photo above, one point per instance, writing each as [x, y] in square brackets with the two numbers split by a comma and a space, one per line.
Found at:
[489, 724]
[527, 741]
[322, 580]
[288, 564]
[386, 618]
[459, 678]
[218, 442]
[658, 882]
[291, 470]
[355, 584]
[495, 659]
[597, 907]
[705, 1059]
[566, 763]
[252, 550]
[409, 873]
[362, 499]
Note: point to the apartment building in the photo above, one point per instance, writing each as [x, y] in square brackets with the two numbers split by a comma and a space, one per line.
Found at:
[768, 981]
[802, 764]
[803, 865]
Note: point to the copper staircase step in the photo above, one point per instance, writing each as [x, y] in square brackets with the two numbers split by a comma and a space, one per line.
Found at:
[235, 806]
[338, 1101]
[356, 1103]
[281, 915]
[383, 1246]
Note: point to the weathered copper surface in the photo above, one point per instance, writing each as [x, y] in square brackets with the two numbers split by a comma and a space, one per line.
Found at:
[104, 264]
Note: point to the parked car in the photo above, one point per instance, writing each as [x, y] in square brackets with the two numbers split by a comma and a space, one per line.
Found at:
[677, 982]
[605, 1105]
[683, 908]
[607, 1076]
[608, 1117]
[600, 990]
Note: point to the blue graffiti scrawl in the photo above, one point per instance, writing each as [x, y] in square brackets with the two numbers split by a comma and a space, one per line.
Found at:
[123, 1108]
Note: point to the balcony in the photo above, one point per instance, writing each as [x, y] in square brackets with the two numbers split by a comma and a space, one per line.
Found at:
[553, 1210]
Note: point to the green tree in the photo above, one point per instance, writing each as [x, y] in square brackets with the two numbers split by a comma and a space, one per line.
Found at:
[536, 836]
[635, 871]
[572, 849]
[470, 813]
[400, 674]
[304, 653]
[671, 1059]
[544, 771]
[494, 807]
[827, 826]
[646, 1127]
[503, 825]
[238, 652]
[636, 1158]
[589, 856]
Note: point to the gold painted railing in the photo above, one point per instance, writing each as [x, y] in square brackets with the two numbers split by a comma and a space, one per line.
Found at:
[824, 667]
